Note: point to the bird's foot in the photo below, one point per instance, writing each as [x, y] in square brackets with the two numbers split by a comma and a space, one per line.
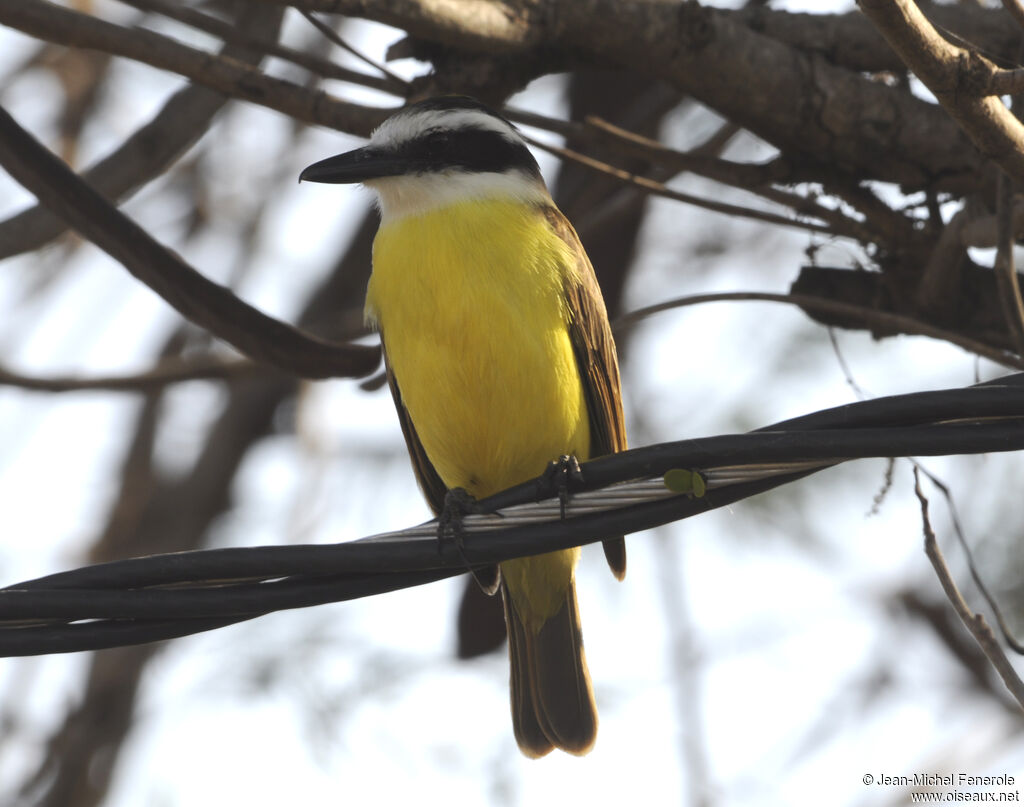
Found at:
[557, 479]
[458, 503]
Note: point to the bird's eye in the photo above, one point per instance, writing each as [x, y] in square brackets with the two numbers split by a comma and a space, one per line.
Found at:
[436, 143]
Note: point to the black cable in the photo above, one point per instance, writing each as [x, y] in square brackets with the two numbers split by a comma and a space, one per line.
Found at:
[116, 603]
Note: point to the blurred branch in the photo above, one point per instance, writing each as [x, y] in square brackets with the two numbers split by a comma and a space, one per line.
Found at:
[974, 315]
[961, 538]
[168, 371]
[182, 120]
[962, 80]
[52, 23]
[230, 33]
[1016, 9]
[658, 189]
[868, 317]
[948, 629]
[975, 623]
[395, 83]
[846, 39]
[202, 301]
[1005, 272]
[983, 231]
[157, 512]
[144, 599]
[887, 226]
[594, 129]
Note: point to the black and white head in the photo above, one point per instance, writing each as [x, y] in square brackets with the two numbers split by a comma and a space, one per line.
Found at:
[435, 153]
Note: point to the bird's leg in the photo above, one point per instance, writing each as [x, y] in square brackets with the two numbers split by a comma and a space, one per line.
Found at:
[557, 478]
[458, 503]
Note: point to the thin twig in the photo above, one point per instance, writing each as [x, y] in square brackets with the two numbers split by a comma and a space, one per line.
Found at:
[700, 160]
[972, 567]
[754, 178]
[975, 623]
[658, 189]
[169, 371]
[231, 33]
[871, 317]
[52, 23]
[148, 151]
[396, 82]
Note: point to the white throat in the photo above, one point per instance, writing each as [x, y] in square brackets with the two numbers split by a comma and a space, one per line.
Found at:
[414, 195]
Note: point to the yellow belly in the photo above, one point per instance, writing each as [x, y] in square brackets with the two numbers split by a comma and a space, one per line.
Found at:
[469, 302]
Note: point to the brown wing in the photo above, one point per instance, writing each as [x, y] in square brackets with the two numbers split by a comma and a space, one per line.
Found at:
[430, 482]
[592, 342]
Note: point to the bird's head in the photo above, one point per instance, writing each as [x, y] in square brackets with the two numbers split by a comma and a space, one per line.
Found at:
[438, 152]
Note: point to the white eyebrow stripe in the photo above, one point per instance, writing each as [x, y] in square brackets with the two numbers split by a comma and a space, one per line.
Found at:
[403, 128]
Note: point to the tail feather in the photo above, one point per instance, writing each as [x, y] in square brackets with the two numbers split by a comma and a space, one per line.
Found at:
[552, 698]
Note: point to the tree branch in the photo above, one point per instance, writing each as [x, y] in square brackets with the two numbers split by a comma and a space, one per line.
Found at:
[169, 371]
[52, 23]
[204, 302]
[975, 623]
[804, 105]
[871, 318]
[959, 78]
[230, 33]
[148, 151]
[1005, 271]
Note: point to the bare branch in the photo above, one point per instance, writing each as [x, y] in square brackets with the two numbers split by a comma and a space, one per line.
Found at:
[204, 302]
[755, 178]
[942, 276]
[169, 371]
[396, 84]
[871, 318]
[1016, 9]
[975, 623]
[231, 33]
[805, 105]
[959, 78]
[1006, 82]
[52, 23]
[850, 40]
[658, 189]
[147, 152]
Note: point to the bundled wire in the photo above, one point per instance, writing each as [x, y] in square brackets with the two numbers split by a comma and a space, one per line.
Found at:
[165, 596]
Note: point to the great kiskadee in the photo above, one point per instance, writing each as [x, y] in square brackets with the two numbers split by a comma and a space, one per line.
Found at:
[499, 358]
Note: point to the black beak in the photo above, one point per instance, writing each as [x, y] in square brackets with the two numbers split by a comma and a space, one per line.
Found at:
[360, 165]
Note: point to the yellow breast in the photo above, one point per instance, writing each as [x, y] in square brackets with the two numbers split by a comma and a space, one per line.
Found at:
[469, 300]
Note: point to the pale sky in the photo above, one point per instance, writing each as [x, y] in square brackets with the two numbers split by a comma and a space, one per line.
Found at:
[740, 656]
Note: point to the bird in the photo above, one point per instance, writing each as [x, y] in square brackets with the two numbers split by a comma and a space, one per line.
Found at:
[500, 360]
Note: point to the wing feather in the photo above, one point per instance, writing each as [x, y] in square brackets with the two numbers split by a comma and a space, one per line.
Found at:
[592, 342]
